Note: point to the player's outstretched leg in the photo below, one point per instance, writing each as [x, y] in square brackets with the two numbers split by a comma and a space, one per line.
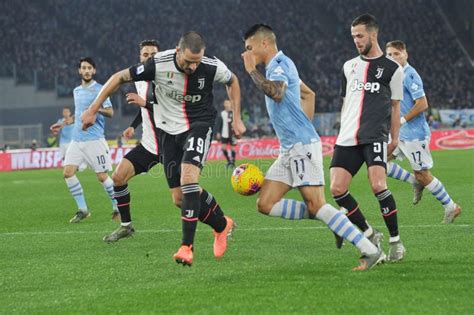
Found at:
[451, 209]
[223, 226]
[397, 172]
[347, 202]
[339, 224]
[75, 188]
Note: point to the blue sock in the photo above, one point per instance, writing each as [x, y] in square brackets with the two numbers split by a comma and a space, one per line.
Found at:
[437, 189]
[289, 209]
[109, 188]
[396, 171]
[340, 225]
[76, 191]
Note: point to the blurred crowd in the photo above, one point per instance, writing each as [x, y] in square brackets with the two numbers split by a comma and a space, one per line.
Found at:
[45, 39]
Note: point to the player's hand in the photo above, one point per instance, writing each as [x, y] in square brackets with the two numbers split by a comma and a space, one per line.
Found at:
[55, 128]
[128, 133]
[249, 61]
[391, 147]
[87, 119]
[239, 128]
[134, 98]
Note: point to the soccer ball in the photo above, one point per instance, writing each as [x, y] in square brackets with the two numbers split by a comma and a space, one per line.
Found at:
[247, 179]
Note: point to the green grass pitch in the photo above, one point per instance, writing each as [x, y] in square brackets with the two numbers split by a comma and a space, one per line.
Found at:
[48, 266]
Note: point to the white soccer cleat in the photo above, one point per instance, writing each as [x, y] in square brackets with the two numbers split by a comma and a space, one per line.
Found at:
[417, 192]
[451, 214]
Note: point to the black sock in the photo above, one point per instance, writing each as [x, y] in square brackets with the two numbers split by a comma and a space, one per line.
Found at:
[353, 212]
[226, 154]
[122, 195]
[211, 213]
[190, 212]
[233, 156]
[389, 211]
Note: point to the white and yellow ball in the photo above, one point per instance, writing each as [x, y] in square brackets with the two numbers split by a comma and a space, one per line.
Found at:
[247, 179]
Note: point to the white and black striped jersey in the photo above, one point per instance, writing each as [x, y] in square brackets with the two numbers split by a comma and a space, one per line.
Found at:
[149, 137]
[368, 86]
[225, 124]
[181, 99]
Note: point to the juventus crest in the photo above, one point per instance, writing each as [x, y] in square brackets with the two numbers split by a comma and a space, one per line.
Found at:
[201, 82]
[379, 73]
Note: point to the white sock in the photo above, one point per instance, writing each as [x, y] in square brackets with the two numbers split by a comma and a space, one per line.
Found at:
[340, 224]
[77, 193]
[437, 189]
[109, 188]
[396, 171]
[289, 209]
[125, 223]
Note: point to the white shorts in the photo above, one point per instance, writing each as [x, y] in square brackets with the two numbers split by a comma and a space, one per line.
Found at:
[63, 149]
[417, 152]
[302, 165]
[94, 153]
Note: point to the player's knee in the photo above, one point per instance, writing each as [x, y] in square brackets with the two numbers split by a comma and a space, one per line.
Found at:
[337, 189]
[118, 178]
[264, 206]
[67, 173]
[378, 186]
[423, 177]
[314, 205]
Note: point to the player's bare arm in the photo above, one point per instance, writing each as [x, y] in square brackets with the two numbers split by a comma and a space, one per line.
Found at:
[134, 98]
[394, 126]
[420, 106]
[308, 100]
[113, 83]
[273, 89]
[233, 91]
[106, 112]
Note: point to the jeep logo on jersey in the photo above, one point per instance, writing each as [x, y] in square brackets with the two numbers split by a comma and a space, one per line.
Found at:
[201, 82]
[180, 97]
[371, 87]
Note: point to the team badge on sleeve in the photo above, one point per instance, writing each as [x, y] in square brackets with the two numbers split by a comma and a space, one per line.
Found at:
[140, 69]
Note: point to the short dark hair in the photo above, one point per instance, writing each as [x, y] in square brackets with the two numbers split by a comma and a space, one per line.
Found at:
[397, 44]
[193, 41]
[149, 42]
[86, 59]
[368, 20]
[67, 107]
[258, 28]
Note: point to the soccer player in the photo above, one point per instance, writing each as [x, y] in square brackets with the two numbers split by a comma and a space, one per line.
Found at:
[299, 164]
[64, 126]
[415, 134]
[88, 146]
[372, 87]
[185, 116]
[145, 155]
[225, 135]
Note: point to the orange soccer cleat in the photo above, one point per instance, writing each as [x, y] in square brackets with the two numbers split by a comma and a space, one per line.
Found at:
[184, 255]
[220, 239]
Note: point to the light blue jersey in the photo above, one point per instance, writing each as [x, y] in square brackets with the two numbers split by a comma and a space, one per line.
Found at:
[291, 124]
[65, 135]
[417, 128]
[83, 98]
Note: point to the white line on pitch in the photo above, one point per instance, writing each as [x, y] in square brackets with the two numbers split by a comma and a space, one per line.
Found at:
[238, 229]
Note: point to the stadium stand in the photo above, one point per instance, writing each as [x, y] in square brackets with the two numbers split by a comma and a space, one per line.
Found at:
[54, 34]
